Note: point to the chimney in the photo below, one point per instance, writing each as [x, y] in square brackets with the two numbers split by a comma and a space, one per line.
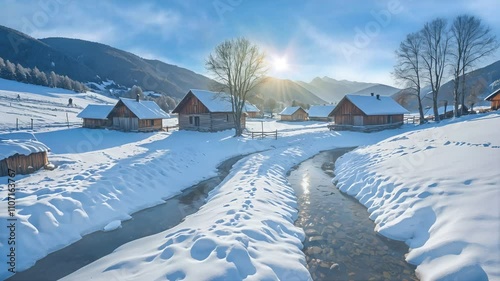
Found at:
[378, 96]
[137, 98]
[371, 94]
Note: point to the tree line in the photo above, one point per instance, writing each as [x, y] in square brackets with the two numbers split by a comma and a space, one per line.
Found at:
[17, 72]
[440, 50]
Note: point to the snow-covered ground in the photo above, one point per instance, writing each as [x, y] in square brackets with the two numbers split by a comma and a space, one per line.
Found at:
[269, 125]
[438, 190]
[246, 231]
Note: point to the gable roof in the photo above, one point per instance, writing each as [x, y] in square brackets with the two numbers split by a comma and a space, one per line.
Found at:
[320, 110]
[373, 106]
[290, 110]
[492, 95]
[214, 101]
[145, 109]
[96, 111]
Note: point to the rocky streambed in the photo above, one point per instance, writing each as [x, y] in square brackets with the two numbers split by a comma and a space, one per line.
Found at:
[341, 243]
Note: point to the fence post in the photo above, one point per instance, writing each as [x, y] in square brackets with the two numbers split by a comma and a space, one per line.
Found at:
[32, 124]
[67, 119]
[276, 136]
[17, 124]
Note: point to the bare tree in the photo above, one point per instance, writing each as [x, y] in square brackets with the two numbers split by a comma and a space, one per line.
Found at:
[408, 69]
[436, 39]
[238, 65]
[471, 41]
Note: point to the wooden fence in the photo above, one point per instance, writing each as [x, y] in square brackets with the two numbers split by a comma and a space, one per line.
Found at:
[411, 119]
[273, 134]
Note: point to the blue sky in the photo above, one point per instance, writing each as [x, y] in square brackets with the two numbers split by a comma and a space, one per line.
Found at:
[352, 40]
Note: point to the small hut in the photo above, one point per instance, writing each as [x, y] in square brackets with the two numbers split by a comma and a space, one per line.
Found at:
[251, 110]
[21, 153]
[293, 113]
[96, 116]
[137, 115]
[367, 113]
[494, 98]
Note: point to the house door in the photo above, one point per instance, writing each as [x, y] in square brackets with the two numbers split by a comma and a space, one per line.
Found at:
[358, 120]
[197, 121]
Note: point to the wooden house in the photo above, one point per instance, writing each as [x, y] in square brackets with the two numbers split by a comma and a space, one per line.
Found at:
[251, 110]
[293, 113]
[207, 111]
[96, 116]
[494, 98]
[321, 112]
[137, 115]
[22, 154]
[367, 113]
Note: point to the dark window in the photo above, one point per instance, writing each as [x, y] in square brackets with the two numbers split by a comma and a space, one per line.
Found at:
[152, 122]
[227, 117]
[197, 121]
[190, 119]
[389, 119]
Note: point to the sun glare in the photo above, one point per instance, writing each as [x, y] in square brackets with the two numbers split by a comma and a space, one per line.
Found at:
[280, 64]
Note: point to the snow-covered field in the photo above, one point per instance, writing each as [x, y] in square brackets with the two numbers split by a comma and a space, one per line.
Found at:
[286, 127]
[438, 190]
[246, 231]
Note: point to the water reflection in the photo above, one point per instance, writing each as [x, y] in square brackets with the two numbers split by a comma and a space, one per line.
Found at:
[340, 240]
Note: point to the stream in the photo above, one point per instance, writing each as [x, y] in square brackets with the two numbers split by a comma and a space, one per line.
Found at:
[143, 223]
[340, 242]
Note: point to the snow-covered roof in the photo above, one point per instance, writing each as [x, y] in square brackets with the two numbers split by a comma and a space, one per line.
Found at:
[251, 108]
[373, 106]
[290, 110]
[216, 101]
[10, 147]
[320, 110]
[213, 101]
[492, 95]
[449, 108]
[96, 111]
[18, 136]
[145, 109]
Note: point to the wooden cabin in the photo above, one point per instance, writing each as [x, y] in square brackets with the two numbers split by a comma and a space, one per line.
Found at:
[96, 116]
[367, 113]
[293, 113]
[24, 155]
[494, 98]
[252, 111]
[321, 112]
[206, 111]
[137, 115]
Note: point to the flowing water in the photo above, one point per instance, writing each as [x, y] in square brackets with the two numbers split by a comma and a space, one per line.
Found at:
[143, 223]
[341, 243]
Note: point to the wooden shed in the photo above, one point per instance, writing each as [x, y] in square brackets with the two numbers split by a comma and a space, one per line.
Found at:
[202, 110]
[24, 155]
[365, 113]
[321, 112]
[251, 110]
[293, 113]
[494, 98]
[96, 116]
[137, 115]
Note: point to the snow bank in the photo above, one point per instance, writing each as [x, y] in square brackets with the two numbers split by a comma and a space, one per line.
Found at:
[245, 231]
[436, 189]
[23, 147]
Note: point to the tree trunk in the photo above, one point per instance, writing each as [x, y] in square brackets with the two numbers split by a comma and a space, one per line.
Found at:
[435, 106]
[237, 124]
[420, 109]
[463, 92]
[456, 95]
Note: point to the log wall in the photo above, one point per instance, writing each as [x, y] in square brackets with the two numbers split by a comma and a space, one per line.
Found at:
[22, 163]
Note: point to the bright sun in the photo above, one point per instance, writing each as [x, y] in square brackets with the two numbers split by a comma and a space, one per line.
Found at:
[280, 64]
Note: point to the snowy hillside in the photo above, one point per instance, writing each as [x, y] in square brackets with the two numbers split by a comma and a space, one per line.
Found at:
[436, 189]
[46, 106]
